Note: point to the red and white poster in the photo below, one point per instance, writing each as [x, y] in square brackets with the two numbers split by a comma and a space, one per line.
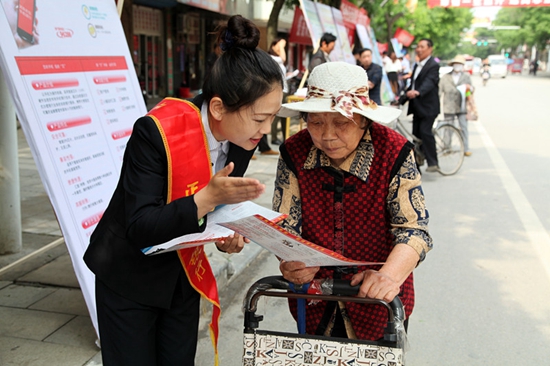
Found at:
[76, 94]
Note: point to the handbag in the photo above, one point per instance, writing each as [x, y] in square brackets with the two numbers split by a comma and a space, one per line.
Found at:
[471, 109]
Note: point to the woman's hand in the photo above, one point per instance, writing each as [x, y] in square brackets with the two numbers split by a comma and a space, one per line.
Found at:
[232, 244]
[376, 285]
[297, 272]
[223, 189]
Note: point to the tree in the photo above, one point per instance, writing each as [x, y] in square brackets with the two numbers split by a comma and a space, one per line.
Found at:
[534, 23]
[442, 25]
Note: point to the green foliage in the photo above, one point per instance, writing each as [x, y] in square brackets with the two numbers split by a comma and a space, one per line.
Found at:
[534, 23]
[442, 25]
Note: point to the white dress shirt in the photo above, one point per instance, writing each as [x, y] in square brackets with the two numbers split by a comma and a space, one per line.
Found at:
[419, 68]
[218, 149]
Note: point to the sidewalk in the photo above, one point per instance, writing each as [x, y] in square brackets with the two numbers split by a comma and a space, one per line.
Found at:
[43, 317]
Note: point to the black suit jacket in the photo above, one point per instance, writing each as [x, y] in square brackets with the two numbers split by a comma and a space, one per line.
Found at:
[427, 84]
[137, 217]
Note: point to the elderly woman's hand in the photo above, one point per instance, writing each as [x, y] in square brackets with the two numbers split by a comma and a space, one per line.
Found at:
[376, 285]
[297, 272]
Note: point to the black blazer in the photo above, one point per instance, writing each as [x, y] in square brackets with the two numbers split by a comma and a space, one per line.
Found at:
[138, 217]
[427, 84]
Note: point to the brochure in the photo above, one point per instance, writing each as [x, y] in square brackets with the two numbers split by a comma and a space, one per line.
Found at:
[214, 232]
[287, 246]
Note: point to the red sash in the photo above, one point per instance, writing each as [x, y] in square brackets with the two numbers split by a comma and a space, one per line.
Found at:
[189, 170]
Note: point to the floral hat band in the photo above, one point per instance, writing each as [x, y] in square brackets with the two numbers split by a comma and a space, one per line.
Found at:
[339, 87]
[344, 100]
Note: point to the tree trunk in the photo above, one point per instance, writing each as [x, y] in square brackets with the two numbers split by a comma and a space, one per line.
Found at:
[273, 22]
[390, 21]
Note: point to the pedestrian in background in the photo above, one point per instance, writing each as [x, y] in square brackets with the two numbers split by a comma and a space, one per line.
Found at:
[374, 74]
[182, 160]
[393, 68]
[326, 45]
[454, 88]
[423, 98]
[278, 53]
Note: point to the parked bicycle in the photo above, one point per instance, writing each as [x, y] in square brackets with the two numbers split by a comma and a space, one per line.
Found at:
[448, 144]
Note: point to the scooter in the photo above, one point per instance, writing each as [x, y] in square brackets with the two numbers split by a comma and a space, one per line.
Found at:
[485, 75]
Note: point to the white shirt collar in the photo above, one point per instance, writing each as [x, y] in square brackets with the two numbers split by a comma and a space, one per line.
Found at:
[423, 62]
[218, 149]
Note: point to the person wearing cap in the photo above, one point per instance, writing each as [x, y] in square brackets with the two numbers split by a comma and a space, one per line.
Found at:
[454, 87]
[350, 184]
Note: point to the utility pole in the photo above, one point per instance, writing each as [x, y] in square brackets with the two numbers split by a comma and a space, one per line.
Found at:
[10, 203]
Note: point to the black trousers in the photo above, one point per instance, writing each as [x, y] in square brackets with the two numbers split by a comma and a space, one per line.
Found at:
[422, 128]
[135, 334]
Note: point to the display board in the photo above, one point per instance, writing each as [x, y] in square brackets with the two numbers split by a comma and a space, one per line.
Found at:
[76, 94]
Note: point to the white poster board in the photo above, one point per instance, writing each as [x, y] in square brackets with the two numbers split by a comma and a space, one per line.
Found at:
[343, 36]
[76, 94]
[327, 21]
[313, 22]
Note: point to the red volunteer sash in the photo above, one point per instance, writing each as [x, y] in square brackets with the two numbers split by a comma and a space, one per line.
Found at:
[189, 170]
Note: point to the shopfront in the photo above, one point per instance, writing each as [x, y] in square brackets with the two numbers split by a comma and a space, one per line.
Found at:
[149, 50]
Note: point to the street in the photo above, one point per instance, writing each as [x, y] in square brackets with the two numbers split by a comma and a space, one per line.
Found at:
[483, 293]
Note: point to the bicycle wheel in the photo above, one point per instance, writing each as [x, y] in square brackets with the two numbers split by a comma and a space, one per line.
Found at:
[449, 147]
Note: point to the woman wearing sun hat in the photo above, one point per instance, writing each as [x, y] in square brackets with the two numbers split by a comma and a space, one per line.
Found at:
[351, 184]
[454, 87]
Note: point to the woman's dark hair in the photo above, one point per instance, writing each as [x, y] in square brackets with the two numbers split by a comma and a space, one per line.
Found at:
[273, 43]
[243, 73]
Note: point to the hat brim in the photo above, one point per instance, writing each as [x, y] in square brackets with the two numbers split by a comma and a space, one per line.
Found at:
[379, 114]
[456, 62]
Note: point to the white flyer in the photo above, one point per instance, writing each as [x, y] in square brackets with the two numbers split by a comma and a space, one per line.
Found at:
[287, 246]
[214, 232]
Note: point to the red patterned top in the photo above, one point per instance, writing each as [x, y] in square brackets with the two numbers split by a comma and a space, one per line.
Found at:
[355, 211]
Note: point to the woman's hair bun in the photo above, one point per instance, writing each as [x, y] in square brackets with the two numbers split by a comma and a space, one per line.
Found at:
[238, 32]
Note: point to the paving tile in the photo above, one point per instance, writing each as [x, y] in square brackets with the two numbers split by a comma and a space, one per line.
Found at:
[58, 272]
[64, 300]
[31, 243]
[30, 324]
[5, 284]
[79, 332]
[24, 352]
[17, 296]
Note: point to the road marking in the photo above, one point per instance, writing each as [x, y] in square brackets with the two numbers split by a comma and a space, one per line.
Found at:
[536, 232]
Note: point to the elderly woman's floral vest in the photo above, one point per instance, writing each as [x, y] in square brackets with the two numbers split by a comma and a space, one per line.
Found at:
[350, 216]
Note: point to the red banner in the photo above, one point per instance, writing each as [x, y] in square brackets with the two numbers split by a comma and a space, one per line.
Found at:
[363, 18]
[350, 13]
[382, 47]
[299, 32]
[480, 3]
[403, 37]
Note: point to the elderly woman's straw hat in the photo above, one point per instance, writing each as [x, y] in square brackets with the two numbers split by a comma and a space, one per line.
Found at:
[343, 88]
[459, 59]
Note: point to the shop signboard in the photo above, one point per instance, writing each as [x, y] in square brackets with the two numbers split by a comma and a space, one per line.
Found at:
[76, 94]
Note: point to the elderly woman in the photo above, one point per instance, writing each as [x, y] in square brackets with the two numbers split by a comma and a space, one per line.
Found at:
[351, 185]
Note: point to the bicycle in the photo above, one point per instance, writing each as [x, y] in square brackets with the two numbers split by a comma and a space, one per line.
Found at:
[449, 145]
